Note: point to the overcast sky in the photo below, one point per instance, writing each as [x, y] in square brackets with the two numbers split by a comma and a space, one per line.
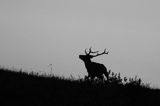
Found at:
[35, 33]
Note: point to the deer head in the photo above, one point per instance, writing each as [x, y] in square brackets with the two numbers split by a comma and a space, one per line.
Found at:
[88, 56]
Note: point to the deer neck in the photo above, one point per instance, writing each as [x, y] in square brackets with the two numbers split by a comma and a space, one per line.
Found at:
[87, 63]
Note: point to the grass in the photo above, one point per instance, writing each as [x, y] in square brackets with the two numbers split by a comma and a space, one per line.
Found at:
[20, 88]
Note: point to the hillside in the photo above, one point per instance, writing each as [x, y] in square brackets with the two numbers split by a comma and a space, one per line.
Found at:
[19, 88]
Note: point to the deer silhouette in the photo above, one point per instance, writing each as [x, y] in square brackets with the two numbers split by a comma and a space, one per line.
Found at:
[94, 69]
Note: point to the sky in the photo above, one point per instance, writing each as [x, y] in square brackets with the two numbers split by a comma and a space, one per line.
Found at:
[36, 33]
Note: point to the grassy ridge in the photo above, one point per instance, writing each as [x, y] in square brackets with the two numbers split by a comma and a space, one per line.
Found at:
[21, 88]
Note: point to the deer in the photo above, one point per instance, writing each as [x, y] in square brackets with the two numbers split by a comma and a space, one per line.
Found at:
[94, 69]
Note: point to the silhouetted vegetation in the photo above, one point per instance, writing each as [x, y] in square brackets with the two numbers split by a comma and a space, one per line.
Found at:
[32, 89]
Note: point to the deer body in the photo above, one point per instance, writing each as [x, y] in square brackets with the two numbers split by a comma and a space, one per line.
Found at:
[94, 69]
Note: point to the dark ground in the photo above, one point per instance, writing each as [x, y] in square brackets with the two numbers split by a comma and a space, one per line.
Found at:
[18, 88]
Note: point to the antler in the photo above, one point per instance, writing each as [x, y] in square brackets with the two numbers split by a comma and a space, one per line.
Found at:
[101, 53]
[90, 51]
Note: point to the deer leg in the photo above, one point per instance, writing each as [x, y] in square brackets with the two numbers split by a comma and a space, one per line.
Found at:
[107, 74]
[101, 77]
[86, 77]
[92, 77]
